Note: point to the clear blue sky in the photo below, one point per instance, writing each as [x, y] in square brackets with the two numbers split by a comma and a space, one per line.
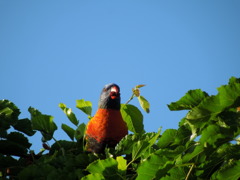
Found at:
[60, 51]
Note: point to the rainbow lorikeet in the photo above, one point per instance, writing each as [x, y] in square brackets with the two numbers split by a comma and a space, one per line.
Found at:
[107, 127]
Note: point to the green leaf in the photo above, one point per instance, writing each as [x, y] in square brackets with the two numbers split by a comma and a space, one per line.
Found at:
[63, 144]
[133, 117]
[12, 148]
[68, 111]
[19, 138]
[16, 144]
[6, 111]
[85, 106]
[191, 99]
[228, 97]
[139, 148]
[230, 171]
[25, 126]
[175, 173]
[43, 123]
[190, 155]
[41, 171]
[149, 168]
[122, 163]
[9, 109]
[167, 138]
[8, 116]
[79, 133]
[107, 167]
[126, 144]
[212, 134]
[7, 161]
[70, 131]
[144, 103]
[95, 176]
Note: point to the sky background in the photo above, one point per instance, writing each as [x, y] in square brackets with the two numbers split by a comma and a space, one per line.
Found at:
[55, 52]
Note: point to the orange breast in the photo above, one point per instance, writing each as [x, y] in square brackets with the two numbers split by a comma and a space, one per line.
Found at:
[107, 124]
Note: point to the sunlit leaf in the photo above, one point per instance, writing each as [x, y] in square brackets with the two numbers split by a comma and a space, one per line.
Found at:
[9, 113]
[191, 99]
[168, 137]
[68, 111]
[122, 163]
[149, 168]
[126, 144]
[139, 148]
[144, 103]
[133, 117]
[94, 176]
[107, 167]
[85, 106]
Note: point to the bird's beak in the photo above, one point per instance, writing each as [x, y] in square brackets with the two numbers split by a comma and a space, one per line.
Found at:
[114, 93]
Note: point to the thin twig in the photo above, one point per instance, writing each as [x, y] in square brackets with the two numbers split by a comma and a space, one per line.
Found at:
[189, 172]
[130, 99]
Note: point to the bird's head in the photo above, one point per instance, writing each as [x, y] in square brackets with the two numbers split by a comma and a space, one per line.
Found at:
[110, 97]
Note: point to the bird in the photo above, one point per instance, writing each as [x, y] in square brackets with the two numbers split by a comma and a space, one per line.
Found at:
[107, 127]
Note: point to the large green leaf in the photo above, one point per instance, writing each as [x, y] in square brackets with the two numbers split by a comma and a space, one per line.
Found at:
[107, 167]
[149, 168]
[25, 126]
[125, 146]
[229, 171]
[142, 145]
[228, 96]
[8, 116]
[85, 106]
[191, 99]
[68, 111]
[15, 144]
[198, 149]
[94, 176]
[177, 173]
[9, 109]
[19, 138]
[133, 117]
[211, 135]
[167, 138]
[70, 131]
[43, 123]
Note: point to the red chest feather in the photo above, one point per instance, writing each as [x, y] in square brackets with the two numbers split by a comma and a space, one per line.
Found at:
[107, 125]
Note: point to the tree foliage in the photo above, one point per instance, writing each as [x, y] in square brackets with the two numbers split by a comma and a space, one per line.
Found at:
[205, 145]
